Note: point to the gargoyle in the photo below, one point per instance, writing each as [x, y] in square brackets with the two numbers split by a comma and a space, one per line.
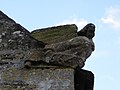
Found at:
[69, 53]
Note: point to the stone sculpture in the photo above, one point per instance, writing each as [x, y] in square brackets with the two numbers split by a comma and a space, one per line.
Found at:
[20, 49]
[69, 53]
[84, 79]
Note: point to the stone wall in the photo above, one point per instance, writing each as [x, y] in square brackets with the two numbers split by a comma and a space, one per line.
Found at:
[48, 69]
[15, 45]
[37, 79]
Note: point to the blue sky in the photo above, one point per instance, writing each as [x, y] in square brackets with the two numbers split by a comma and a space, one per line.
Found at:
[105, 14]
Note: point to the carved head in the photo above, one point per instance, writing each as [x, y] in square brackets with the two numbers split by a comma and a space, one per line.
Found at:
[88, 31]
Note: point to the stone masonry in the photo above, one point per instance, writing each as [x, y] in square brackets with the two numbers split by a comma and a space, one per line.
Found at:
[49, 67]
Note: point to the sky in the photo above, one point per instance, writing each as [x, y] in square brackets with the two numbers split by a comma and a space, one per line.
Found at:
[105, 14]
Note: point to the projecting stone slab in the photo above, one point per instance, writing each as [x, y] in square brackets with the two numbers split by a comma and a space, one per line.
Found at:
[37, 79]
[55, 34]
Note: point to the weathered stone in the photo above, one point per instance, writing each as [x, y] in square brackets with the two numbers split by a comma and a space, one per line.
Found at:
[37, 79]
[14, 36]
[55, 34]
[67, 50]
[71, 53]
[16, 45]
[15, 41]
[51, 63]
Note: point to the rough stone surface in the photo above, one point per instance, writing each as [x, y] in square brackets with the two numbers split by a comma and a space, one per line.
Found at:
[14, 36]
[72, 53]
[52, 55]
[16, 45]
[65, 46]
[15, 41]
[37, 79]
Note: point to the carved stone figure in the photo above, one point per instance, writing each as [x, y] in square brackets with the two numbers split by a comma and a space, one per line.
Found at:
[68, 48]
[84, 79]
[88, 31]
[70, 53]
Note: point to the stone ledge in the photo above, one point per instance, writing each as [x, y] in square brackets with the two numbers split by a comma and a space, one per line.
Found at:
[55, 34]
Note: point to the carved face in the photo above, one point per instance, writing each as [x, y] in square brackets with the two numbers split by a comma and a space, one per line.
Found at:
[91, 31]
